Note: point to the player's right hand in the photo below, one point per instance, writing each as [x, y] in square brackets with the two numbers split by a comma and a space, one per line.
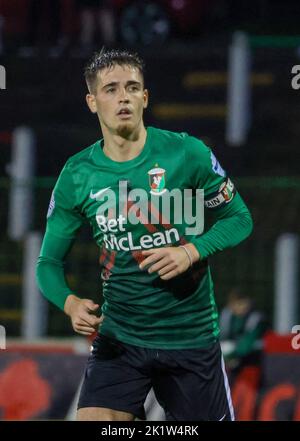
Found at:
[82, 314]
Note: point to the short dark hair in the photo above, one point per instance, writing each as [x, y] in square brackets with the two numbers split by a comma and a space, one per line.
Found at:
[109, 58]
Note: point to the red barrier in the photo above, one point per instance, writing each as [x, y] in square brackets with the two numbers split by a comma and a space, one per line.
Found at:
[271, 391]
[40, 382]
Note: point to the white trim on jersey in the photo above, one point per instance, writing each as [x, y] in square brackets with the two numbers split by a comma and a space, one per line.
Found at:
[227, 388]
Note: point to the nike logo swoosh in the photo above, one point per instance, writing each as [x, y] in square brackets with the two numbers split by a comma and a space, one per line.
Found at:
[98, 194]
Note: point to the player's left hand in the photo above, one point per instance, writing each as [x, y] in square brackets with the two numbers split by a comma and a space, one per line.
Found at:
[168, 262]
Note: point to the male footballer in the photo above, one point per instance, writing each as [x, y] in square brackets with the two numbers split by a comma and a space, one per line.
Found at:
[139, 187]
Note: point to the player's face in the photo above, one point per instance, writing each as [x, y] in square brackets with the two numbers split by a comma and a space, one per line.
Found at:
[119, 99]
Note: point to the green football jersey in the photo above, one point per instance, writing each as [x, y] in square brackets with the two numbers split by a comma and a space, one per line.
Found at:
[140, 308]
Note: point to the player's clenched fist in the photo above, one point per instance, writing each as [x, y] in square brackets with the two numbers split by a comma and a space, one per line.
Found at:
[82, 313]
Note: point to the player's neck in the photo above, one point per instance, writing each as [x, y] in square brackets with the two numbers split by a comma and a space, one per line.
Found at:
[120, 149]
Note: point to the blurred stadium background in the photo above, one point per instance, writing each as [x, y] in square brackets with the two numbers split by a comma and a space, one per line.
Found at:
[220, 70]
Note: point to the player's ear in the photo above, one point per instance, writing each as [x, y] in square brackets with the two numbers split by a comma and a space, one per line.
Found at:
[146, 98]
[91, 102]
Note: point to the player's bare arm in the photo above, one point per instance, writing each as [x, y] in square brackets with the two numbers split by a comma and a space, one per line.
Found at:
[169, 262]
[82, 314]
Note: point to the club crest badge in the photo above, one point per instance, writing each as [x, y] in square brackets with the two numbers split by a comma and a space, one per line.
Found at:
[157, 181]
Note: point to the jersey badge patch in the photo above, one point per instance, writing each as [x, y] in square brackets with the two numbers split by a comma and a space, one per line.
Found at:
[157, 181]
[216, 166]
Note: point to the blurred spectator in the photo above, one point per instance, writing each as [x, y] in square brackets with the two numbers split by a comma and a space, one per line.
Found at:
[242, 327]
[44, 27]
[96, 17]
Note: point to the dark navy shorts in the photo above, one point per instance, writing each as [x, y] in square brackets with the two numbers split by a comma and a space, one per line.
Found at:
[189, 384]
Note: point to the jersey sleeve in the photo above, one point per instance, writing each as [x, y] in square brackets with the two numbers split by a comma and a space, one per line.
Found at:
[205, 170]
[64, 218]
[233, 221]
[63, 223]
[50, 271]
